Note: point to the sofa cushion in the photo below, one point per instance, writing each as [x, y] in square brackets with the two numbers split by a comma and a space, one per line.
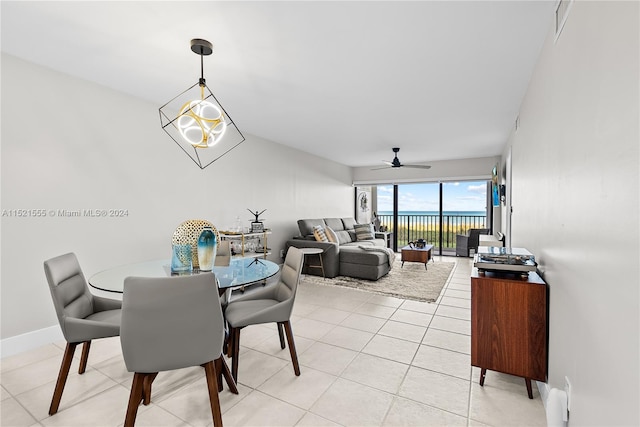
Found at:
[374, 242]
[320, 235]
[334, 223]
[331, 235]
[343, 237]
[306, 225]
[363, 232]
[355, 255]
[348, 223]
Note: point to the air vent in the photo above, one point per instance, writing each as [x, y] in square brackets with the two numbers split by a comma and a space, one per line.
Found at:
[562, 12]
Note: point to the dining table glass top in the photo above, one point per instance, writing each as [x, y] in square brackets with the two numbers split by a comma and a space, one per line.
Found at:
[239, 272]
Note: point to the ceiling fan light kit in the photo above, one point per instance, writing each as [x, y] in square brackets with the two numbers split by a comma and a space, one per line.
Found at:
[395, 163]
[197, 122]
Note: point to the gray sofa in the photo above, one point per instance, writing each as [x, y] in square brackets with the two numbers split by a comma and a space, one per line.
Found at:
[346, 258]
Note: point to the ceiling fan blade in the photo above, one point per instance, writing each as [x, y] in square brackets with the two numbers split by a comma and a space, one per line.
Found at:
[396, 163]
[417, 166]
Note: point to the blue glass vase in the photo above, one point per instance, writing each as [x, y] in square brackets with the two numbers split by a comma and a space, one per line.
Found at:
[181, 261]
[207, 248]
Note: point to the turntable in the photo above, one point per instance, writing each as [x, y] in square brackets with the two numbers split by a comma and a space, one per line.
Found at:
[506, 260]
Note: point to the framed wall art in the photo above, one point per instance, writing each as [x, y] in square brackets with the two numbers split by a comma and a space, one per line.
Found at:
[363, 205]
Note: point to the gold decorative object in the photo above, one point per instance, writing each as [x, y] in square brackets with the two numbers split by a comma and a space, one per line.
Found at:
[188, 232]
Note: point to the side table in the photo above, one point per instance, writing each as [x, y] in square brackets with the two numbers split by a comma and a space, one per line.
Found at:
[386, 235]
[314, 251]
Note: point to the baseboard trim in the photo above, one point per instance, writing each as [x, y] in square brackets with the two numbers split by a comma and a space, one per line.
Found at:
[20, 343]
[544, 389]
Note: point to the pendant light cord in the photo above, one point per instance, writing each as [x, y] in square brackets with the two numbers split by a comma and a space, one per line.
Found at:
[202, 80]
[201, 65]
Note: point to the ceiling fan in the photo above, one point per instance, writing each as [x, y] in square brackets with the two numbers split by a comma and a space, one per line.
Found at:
[396, 163]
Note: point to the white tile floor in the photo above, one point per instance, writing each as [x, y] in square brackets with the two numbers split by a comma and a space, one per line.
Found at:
[366, 360]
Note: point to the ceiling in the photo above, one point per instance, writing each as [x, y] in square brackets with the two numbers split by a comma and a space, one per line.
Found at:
[344, 80]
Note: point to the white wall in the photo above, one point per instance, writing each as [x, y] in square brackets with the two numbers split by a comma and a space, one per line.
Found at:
[71, 144]
[575, 205]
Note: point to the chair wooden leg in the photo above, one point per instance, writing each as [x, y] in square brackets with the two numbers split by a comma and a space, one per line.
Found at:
[230, 342]
[292, 347]
[225, 343]
[218, 363]
[62, 377]
[135, 397]
[146, 387]
[281, 333]
[235, 352]
[214, 399]
[233, 388]
[85, 356]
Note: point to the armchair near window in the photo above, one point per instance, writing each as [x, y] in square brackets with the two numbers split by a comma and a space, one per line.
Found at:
[465, 242]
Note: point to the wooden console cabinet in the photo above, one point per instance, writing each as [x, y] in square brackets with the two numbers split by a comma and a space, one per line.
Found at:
[509, 332]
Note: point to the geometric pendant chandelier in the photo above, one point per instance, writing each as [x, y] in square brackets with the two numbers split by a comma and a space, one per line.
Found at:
[197, 122]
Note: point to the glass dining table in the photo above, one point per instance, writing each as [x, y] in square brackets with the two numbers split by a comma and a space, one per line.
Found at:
[240, 272]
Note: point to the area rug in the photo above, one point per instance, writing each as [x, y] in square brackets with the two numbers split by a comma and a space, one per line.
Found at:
[409, 282]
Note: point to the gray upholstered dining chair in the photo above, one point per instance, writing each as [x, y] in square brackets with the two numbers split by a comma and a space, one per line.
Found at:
[271, 304]
[223, 254]
[82, 316]
[170, 323]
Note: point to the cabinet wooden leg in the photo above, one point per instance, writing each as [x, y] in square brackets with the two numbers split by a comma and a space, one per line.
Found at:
[483, 373]
[529, 390]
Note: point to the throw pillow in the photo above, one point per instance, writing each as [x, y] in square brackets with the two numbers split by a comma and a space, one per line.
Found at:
[319, 234]
[343, 237]
[363, 232]
[331, 235]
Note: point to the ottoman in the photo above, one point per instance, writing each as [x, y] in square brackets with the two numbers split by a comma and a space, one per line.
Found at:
[356, 262]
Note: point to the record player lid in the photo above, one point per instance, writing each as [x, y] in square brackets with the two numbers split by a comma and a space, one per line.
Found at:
[495, 250]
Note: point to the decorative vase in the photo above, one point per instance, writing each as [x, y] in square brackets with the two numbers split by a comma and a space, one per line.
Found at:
[181, 259]
[207, 248]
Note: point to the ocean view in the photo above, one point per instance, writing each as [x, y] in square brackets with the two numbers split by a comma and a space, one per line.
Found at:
[426, 224]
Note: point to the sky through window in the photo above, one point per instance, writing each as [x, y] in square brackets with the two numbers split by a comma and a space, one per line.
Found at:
[458, 196]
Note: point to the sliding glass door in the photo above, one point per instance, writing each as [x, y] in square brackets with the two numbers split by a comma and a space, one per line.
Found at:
[418, 213]
[435, 212]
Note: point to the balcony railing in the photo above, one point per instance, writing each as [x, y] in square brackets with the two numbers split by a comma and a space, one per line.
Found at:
[427, 227]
